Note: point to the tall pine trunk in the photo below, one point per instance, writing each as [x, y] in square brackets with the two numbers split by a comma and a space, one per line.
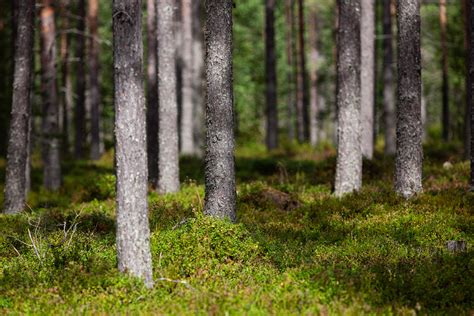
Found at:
[313, 109]
[198, 71]
[133, 234]
[94, 85]
[467, 111]
[367, 72]
[444, 68]
[271, 76]
[50, 124]
[390, 120]
[290, 49]
[301, 98]
[18, 136]
[349, 155]
[80, 111]
[66, 79]
[220, 199]
[409, 158]
[168, 156]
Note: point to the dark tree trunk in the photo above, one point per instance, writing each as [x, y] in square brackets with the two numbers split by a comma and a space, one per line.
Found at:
[470, 10]
[94, 86]
[349, 155]
[220, 200]
[50, 124]
[467, 114]
[367, 29]
[168, 156]
[80, 111]
[66, 80]
[444, 67]
[198, 67]
[313, 109]
[301, 98]
[133, 234]
[390, 120]
[409, 158]
[271, 76]
[290, 48]
[18, 136]
[152, 94]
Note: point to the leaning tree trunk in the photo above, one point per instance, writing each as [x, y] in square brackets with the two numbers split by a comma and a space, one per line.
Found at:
[50, 124]
[94, 85]
[301, 98]
[390, 119]
[470, 10]
[168, 156]
[409, 158]
[290, 44]
[198, 71]
[18, 136]
[80, 111]
[349, 155]
[367, 72]
[444, 67]
[220, 199]
[271, 76]
[133, 234]
[313, 109]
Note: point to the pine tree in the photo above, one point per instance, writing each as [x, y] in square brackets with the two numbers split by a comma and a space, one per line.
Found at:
[390, 119]
[271, 76]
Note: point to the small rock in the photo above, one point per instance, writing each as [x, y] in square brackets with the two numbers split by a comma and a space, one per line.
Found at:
[456, 246]
[447, 165]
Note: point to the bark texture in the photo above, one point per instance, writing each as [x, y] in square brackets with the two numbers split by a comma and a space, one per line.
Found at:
[390, 119]
[220, 199]
[18, 136]
[349, 155]
[66, 79]
[168, 156]
[271, 76]
[444, 67]
[301, 98]
[313, 108]
[198, 72]
[80, 110]
[409, 157]
[50, 124]
[133, 234]
[367, 73]
[94, 85]
[290, 48]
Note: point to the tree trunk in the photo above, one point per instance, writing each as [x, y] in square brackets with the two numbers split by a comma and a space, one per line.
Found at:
[444, 67]
[94, 86]
[50, 124]
[290, 44]
[409, 158]
[168, 156]
[470, 10]
[467, 114]
[80, 113]
[133, 234]
[349, 155]
[187, 137]
[313, 109]
[198, 66]
[301, 98]
[66, 80]
[388, 90]
[220, 199]
[271, 76]
[367, 72]
[18, 151]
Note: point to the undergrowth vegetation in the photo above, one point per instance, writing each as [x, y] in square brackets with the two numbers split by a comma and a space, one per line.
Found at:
[295, 250]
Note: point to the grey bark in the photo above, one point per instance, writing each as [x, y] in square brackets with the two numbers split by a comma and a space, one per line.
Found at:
[168, 156]
[409, 157]
[271, 77]
[133, 234]
[349, 155]
[80, 110]
[18, 136]
[290, 48]
[220, 198]
[367, 72]
[94, 85]
[390, 119]
[50, 124]
[198, 72]
[314, 56]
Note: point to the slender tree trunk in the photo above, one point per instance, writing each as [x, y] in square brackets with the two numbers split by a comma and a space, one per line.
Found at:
[470, 63]
[17, 152]
[168, 156]
[301, 98]
[409, 158]
[187, 137]
[467, 114]
[220, 199]
[80, 111]
[50, 125]
[313, 109]
[94, 86]
[198, 70]
[388, 78]
[290, 44]
[66, 80]
[133, 234]
[349, 155]
[271, 76]
[367, 72]
[444, 66]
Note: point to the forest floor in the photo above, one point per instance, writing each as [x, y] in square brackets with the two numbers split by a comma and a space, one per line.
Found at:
[296, 250]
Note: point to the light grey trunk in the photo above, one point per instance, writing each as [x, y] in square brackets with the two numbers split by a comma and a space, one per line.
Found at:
[198, 72]
[50, 124]
[409, 157]
[390, 119]
[314, 56]
[168, 156]
[18, 136]
[349, 155]
[367, 73]
[133, 234]
[271, 77]
[220, 199]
